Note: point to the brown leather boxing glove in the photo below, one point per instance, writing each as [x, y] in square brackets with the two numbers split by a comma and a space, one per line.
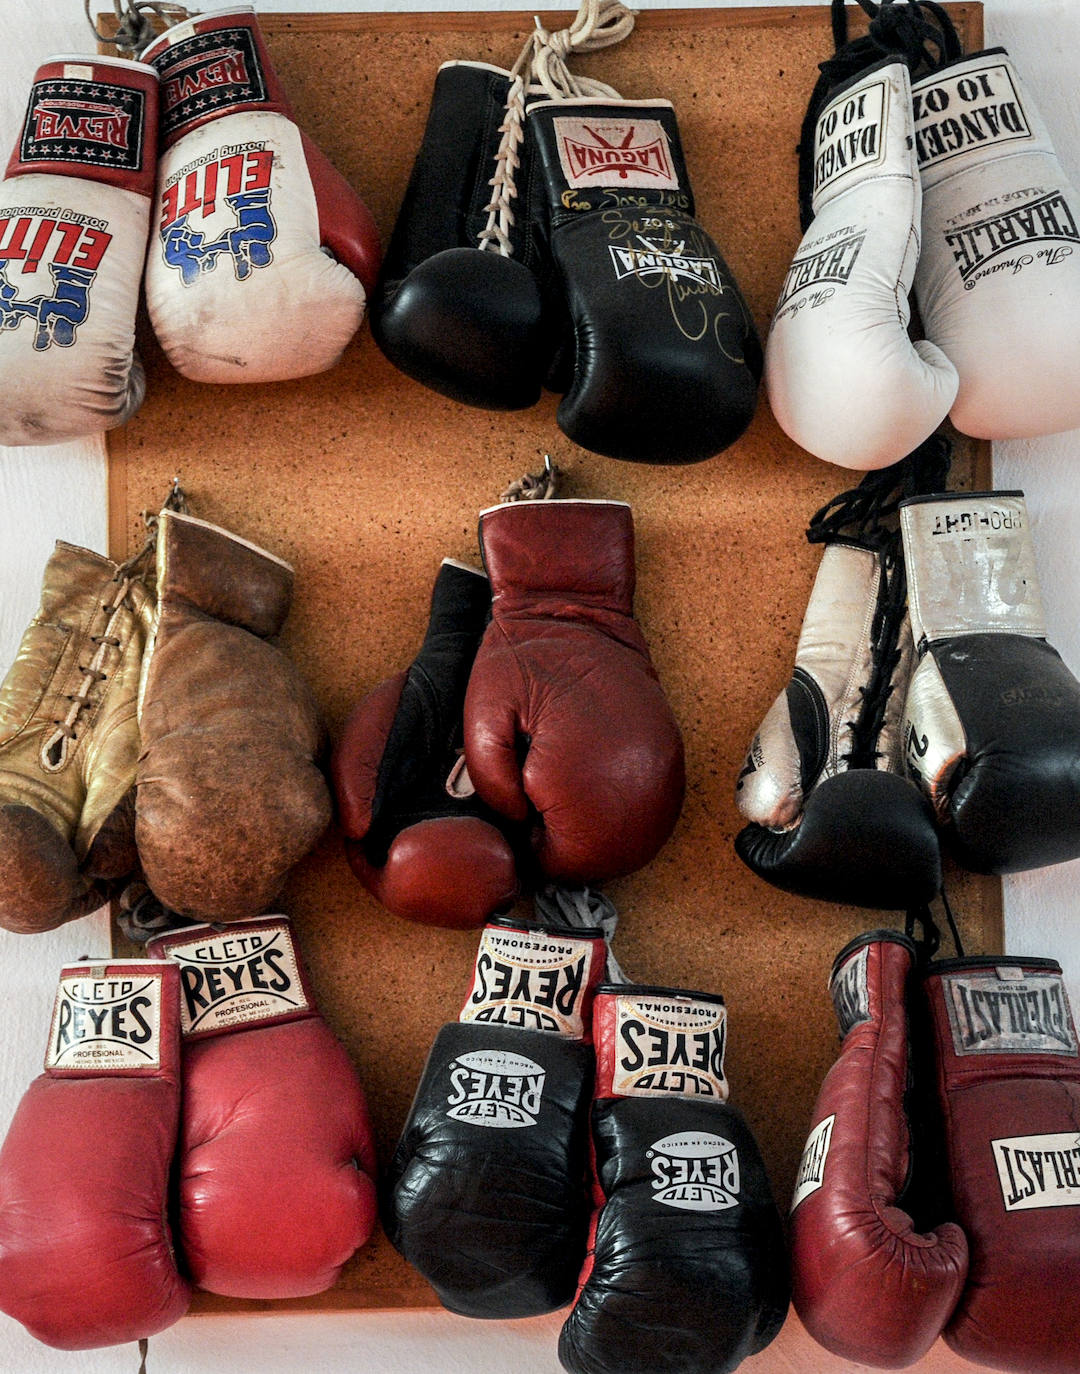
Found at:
[229, 796]
[566, 723]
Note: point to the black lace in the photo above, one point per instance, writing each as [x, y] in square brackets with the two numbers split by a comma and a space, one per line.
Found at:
[918, 33]
[928, 942]
[868, 515]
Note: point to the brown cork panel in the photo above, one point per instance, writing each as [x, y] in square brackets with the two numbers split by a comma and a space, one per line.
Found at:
[364, 480]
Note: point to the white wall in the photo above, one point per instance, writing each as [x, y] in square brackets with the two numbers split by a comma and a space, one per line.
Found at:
[46, 494]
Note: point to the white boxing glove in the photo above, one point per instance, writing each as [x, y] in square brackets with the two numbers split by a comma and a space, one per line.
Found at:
[998, 283]
[74, 220]
[844, 379]
[263, 256]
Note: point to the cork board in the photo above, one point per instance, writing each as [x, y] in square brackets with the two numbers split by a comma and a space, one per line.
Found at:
[364, 480]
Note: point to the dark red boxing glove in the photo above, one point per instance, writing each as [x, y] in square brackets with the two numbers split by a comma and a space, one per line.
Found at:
[867, 1284]
[1008, 1085]
[566, 723]
[415, 834]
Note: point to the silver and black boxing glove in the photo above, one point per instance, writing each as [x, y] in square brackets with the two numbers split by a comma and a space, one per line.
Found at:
[458, 306]
[487, 1186]
[831, 813]
[688, 1271]
[992, 719]
[666, 358]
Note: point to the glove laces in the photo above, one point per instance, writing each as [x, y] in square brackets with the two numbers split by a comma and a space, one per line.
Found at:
[542, 63]
[138, 23]
[918, 33]
[869, 515]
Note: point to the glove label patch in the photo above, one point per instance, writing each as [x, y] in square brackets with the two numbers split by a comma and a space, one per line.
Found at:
[219, 207]
[104, 1023]
[669, 1045]
[87, 122]
[695, 1171]
[989, 1015]
[826, 264]
[614, 152]
[850, 991]
[495, 1088]
[977, 109]
[850, 135]
[1039, 1170]
[534, 980]
[56, 255]
[238, 978]
[811, 1174]
[1016, 232]
[971, 568]
[206, 73]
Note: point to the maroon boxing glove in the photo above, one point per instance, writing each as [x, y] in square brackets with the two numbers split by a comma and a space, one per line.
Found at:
[416, 835]
[86, 1258]
[868, 1285]
[1008, 1083]
[276, 1155]
[566, 723]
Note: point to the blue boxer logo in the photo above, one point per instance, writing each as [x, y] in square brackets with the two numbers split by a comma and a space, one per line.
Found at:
[247, 245]
[57, 317]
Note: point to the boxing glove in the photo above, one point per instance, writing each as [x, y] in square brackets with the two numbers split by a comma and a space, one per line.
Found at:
[86, 1257]
[687, 1267]
[276, 1163]
[458, 306]
[74, 221]
[992, 716]
[998, 283]
[866, 1282]
[415, 834]
[486, 1190]
[263, 256]
[831, 814]
[228, 795]
[843, 378]
[69, 742]
[1008, 1085]
[666, 358]
[566, 724]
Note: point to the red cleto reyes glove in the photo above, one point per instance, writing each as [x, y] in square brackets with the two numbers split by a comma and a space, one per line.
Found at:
[86, 1257]
[566, 722]
[276, 1155]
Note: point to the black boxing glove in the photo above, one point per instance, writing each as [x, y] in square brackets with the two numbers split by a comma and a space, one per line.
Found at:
[688, 1270]
[487, 1185]
[667, 358]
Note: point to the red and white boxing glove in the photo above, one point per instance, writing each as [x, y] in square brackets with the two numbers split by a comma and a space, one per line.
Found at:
[74, 219]
[86, 1258]
[276, 1156]
[566, 723]
[263, 256]
[867, 1284]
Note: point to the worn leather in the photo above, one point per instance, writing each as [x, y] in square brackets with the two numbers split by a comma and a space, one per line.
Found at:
[867, 1283]
[425, 847]
[229, 794]
[566, 723]
[67, 803]
[1007, 1075]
